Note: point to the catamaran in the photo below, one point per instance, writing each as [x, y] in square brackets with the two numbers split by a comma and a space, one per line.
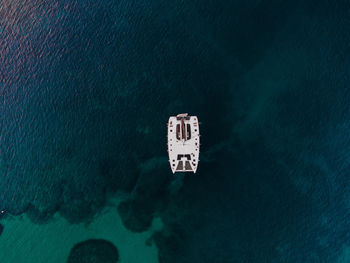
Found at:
[183, 143]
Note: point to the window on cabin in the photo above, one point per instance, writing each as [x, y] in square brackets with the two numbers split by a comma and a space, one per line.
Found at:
[188, 131]
[178, 135]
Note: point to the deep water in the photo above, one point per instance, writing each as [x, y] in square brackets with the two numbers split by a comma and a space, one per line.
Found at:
[86, 89]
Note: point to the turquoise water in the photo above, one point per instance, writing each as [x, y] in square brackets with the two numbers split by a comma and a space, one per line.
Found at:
[86, 89]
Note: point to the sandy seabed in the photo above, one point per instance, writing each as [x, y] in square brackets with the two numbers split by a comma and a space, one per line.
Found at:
[23, 241]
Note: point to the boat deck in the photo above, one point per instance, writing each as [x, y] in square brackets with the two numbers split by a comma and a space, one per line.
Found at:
[183, 143]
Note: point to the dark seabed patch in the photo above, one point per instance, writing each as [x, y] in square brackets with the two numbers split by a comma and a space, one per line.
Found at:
[94, 251]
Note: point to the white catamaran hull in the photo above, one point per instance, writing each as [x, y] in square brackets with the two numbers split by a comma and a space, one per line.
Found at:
[183, 143]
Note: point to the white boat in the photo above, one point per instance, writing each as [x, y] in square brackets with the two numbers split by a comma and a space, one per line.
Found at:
[183, 143]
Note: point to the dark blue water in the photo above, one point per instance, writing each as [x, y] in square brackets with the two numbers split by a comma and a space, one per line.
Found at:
[86, 89]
